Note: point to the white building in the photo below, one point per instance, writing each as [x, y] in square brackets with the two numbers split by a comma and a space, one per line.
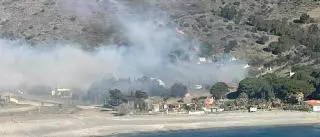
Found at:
[202, 60]
[61, 92]
[291, 73]
[246, 66]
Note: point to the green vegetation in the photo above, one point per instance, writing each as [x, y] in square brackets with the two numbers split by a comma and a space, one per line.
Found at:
[271, 86]
[263, 39]
[141, 95]
[205, 49]
[219, 90]
[256, 88]
[271, 90]
[230, 46]
[178, 90]
[115, 97]
[231, 12]
[304, 18]
[291, 34]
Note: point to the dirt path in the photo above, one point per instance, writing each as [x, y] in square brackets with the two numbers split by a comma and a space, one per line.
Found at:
[16, 110]
[315, 13]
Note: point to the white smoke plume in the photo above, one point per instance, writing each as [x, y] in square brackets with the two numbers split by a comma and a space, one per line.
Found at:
[150, 38]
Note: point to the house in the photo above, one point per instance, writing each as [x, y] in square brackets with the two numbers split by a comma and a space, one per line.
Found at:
[208, 103]
[232, 88]
[202, 60]
[157, 104]
[62, 93]
[315, 104]
[174, 104]
[291, 73]
[246, 66]
[253, 109]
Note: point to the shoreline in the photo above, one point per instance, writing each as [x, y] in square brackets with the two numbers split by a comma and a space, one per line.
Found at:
[180, 127]
[209, 129]
[100, 124]
[218, 129]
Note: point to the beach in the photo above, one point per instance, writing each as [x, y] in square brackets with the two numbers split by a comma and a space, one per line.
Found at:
[97, 123]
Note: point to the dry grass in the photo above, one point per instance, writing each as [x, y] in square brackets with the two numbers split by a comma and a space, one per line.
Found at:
[315, 13]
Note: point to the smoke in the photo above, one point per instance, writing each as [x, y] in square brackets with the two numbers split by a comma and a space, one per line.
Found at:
[153, 45]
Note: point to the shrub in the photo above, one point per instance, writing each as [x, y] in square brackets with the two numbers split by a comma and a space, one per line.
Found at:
[230, 46]
[297, 107]
[237, 3]
[228, 12]
[229, 27]
[178, 90]
[263, 39]
[247, 35]
[186, 25]
[284, 44]
[305, 18]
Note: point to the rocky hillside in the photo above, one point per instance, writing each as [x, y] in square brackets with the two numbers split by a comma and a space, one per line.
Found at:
[261, 31]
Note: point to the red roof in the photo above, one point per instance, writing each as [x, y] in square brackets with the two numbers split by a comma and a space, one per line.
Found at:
[313, 102]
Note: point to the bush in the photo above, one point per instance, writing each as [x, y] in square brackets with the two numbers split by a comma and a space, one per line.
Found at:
[297, 107]
[284, 44]
[141, 95]
[229, 27]
[305, 18]
[178, 90]
[206, 49]
[228, 12]
[230, 46]
[237, 3]
[263, 39]
[219, 90]
[186, 25]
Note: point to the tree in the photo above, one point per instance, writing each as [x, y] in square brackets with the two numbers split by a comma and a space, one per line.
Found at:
[311, 40]
[141, 95]
[229, 12]
[219, 90]
[115, 97]
[230, 46]
[271, 78]
[256, 88]
[178, 90]
[315, 78]
[206, 49]
[287, 88]
[298, 86]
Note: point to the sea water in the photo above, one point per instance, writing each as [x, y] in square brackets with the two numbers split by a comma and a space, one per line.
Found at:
[275, 131]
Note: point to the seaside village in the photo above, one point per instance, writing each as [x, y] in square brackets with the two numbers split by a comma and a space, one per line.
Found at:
[195, 101]
[198, 102]
[154, 98]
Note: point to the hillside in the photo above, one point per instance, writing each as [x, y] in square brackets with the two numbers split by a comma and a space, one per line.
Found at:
[241, 27]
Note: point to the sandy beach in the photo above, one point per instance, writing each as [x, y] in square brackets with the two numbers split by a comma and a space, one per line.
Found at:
[95, 123]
